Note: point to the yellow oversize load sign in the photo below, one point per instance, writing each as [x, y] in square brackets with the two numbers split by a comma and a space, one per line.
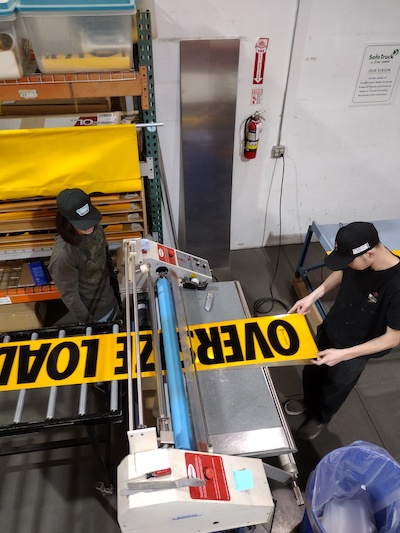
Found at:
[284, 339]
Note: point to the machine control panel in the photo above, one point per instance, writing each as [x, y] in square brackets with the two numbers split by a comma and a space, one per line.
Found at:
[183, 263]
[193, 263]
[187, 263]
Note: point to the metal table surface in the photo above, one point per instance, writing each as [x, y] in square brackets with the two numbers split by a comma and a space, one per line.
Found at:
[389, 233]
[243, 414]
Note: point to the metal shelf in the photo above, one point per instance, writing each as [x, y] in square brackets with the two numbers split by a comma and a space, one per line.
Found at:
[153, 186]
[16, 288]
[138, 83]
[79, 85]
[29, 294]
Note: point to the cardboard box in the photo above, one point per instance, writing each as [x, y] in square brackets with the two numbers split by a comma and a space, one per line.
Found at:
[18, 317]
[55, 107]
[60, 121]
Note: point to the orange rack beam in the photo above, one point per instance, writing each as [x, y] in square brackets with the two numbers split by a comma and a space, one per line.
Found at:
[20, 295]
[80, 85]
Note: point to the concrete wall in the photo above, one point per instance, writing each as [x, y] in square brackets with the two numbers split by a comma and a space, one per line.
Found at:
[341, 161]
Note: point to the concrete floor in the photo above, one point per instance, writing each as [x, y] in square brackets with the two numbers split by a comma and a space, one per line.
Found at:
[54, 490]
[372, 411]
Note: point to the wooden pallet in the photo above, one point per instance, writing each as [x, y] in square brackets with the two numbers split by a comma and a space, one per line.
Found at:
[31, 223]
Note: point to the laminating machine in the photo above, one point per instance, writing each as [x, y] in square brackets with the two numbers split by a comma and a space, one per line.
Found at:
[198, 465]
[173, 480]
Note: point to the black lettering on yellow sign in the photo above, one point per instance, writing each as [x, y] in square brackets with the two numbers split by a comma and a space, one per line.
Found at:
[122, 368]
[146, 353]
[278, 329]
[66, 361]
[254, 334]
[9, 353]
[92, 355]
[53, 370]
[31, 362]
[282, 338]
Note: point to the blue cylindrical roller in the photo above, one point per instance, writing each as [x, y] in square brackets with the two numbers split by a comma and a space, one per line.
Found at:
[176, 389]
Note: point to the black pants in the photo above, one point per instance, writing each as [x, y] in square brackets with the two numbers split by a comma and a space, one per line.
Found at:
[326, 388]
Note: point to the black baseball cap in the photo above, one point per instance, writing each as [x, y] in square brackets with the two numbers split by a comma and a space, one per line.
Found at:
[351, 241]
[75, 206]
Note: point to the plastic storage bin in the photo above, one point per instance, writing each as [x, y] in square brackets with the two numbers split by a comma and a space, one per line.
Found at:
[354, 489]
[77, 36]
[12, 51]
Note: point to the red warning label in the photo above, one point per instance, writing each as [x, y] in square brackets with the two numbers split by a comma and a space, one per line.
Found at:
[166, 255]
[211, 469]
[259, 61]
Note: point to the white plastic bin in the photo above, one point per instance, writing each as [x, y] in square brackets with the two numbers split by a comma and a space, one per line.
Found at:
[12, 45]
[77, 36]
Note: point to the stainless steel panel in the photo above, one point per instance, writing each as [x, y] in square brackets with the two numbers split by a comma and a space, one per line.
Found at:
[242, 416]
[265, 442]
[241, 407]
[226, 304]
[208, 105]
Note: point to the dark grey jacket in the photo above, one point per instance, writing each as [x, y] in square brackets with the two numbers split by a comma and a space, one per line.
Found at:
[81, 275]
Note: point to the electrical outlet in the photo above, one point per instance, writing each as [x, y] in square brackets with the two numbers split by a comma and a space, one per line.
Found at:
[277, 151]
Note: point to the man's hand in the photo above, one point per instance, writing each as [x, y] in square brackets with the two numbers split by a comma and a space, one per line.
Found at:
[303, 306]
[330, 357]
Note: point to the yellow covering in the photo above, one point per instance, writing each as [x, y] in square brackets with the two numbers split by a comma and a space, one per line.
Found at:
[42, 162]
[85, 63]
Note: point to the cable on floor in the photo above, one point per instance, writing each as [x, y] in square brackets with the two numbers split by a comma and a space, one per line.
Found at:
[271, 300]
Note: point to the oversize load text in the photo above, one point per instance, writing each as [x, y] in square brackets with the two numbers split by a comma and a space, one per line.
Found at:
[73, 360]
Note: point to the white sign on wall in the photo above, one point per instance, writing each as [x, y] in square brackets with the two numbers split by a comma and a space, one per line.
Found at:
[258, 73]
[378, 74]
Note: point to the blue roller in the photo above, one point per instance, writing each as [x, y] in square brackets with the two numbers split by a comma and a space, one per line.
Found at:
[176, 389]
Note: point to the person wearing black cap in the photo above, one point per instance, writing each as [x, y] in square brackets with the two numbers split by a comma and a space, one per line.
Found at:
[80, 261]
[363, 323]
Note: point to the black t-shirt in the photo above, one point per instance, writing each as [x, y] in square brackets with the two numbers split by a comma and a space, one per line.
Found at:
[368, 301]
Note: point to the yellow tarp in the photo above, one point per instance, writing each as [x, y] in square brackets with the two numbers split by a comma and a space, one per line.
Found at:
[42, 162]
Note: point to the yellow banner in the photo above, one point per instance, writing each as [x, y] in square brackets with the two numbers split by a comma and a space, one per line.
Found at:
[261, 341]
[43, 162]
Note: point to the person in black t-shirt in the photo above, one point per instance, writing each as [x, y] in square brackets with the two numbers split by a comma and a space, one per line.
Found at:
[364, 322]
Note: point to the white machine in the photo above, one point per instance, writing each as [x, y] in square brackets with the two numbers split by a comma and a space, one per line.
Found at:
[166, 484]
[184, 491]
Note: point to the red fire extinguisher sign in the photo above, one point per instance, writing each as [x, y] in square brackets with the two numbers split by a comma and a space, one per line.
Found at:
[259, 61]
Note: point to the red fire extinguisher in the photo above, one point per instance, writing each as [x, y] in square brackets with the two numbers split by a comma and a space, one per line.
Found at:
[252, 130]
